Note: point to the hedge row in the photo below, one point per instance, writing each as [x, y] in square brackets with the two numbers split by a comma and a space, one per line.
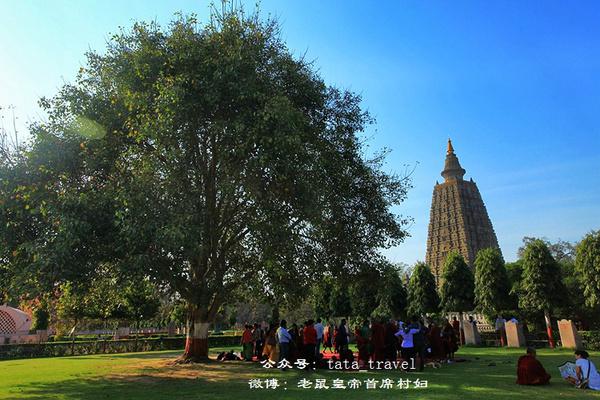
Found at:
[78, 348]
[590, 339]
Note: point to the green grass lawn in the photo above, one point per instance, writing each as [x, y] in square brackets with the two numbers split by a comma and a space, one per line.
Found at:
[488, 374]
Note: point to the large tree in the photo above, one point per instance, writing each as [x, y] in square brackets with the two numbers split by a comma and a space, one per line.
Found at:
[492, 286]
[203, 156]
[457, 290]
[423, 297]
[587, 264]
[541, 285]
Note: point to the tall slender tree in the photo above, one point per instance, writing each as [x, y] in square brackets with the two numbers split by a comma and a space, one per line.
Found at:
[492, 286]
[457, 290]
[587, 263]
[541, 285]
[423, 297]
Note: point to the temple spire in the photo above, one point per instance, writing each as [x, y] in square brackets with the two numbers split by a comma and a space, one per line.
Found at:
[450, 148]
[452, 169]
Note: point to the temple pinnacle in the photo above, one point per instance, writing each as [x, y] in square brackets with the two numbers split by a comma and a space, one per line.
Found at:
[450, 148]
[452, 169]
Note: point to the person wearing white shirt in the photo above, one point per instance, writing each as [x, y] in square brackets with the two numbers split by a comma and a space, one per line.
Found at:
[284, 338]
[586, 371]
[407, 347]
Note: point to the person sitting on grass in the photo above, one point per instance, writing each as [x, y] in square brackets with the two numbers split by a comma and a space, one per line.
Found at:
[530, 370]
[231, 356]
[587, 374]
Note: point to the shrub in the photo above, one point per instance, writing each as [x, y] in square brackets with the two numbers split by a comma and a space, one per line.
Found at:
[591, 339]
[68, 348]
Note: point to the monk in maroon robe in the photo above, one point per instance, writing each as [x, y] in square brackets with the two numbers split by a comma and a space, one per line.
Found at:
[530, 371]
[378, 340]
[362, 342]
[435, 341]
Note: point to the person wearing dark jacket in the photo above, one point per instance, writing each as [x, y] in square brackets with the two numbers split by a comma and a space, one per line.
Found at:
[342, 338]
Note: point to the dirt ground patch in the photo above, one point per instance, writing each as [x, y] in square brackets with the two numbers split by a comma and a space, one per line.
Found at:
[212, 371]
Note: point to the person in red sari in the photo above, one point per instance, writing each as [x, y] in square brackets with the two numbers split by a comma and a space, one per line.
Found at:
[378, 340]
[530, 371]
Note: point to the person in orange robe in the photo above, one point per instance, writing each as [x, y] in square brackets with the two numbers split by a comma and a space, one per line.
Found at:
[530, 371]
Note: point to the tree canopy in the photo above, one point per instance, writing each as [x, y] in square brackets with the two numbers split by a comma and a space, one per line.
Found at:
[201, 156]
[587, 263]
[541, 285]
[391, 294]
[492, 286]
[457, 290]
[422, 292]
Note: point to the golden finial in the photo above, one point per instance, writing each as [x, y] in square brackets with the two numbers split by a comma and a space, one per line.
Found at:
[450, 148]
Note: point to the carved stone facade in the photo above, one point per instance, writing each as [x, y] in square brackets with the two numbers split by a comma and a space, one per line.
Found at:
[458, 219]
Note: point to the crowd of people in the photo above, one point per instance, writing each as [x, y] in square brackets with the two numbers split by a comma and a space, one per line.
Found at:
[376, 340]
[387, 340]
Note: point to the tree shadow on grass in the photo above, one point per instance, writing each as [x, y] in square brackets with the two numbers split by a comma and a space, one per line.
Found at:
[218, 381]
[147, 387]
[150, 377]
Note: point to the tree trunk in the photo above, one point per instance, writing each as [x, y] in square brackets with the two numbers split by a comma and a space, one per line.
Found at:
[549, 328]
[137, 334]
[461, 334]
[196, 343]
[275, 315]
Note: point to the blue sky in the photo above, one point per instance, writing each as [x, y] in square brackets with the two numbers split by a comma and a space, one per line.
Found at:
[515, 84]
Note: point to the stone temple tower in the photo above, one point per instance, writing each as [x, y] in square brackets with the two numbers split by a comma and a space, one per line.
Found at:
[458, 218]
